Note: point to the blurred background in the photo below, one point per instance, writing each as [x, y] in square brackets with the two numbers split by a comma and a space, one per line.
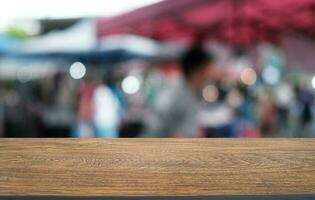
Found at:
[113, 68]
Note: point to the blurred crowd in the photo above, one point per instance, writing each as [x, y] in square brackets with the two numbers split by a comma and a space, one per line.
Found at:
[193, 96]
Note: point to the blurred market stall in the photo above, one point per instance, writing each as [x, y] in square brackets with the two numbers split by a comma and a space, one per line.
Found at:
[239, 22]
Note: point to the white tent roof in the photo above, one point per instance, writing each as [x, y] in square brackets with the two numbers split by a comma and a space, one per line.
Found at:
[130, 43]
[78, 38]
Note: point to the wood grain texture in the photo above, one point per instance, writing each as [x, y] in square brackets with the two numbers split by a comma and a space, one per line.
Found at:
[156, 167]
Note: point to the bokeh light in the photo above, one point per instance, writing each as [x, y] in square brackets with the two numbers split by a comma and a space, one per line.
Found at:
[77, 70]
[313, 82]
[248, 76]
[23, 75]
[210, 93]
[131, 85]
[271, 75]
[234, 99]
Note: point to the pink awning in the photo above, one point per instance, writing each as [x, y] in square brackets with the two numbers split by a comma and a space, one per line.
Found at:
[234, 21]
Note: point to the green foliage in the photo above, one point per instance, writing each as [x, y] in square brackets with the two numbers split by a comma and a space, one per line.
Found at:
[16, 32]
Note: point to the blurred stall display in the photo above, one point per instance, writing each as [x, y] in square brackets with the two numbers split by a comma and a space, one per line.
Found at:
[109, 77]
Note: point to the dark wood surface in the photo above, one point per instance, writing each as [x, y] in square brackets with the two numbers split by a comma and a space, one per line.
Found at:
[154, 167]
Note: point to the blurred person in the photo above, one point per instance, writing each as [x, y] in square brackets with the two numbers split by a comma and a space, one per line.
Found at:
[2, 117]
[106, 109]
[176, 108]
[305, 100]
[23, 116]
[59, 99]
[246, 106]
[216, 118]
[84, 127]
[284, 97]
[266, 112]
[245, 113]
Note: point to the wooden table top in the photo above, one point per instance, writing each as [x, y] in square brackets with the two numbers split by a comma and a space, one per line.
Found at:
[156, 167]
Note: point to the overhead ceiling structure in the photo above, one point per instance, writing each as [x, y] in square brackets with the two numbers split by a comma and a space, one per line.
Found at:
[239, 22]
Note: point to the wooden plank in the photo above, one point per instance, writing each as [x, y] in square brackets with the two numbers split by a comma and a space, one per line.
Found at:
[157, 167]
[262, 197]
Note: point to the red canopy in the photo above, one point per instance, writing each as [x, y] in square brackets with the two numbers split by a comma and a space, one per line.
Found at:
[234, 21]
